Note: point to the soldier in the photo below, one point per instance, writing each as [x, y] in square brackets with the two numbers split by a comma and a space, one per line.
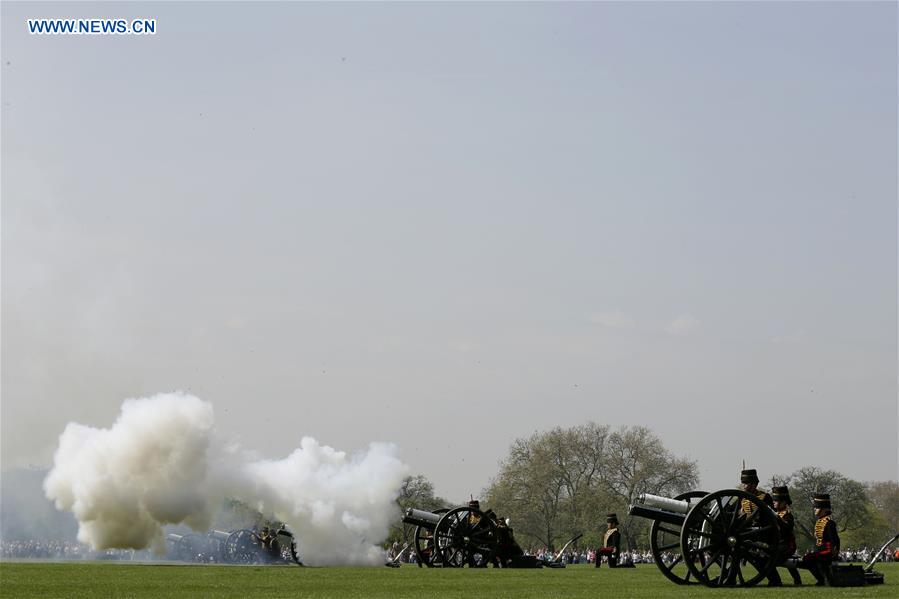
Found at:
[827, 542]
[782, 503]
[508, 550]
[611, 543]
[749, 482]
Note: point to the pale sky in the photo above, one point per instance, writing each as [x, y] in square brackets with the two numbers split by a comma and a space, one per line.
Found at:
[450, 225]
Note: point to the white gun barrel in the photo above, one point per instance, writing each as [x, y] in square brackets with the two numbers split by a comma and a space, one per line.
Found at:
[219, 535]
[663, 503]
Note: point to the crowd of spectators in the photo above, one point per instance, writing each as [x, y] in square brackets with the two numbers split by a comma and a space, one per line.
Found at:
[65, 550]
[864, 555]
[68, 550]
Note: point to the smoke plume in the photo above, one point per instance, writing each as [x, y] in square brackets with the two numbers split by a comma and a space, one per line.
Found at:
[162, 463]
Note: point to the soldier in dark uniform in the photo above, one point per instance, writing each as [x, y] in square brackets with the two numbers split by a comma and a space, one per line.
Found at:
[508, 551]
[827, 542]
[782, 503]
[749, 482]
[611, 543]
[269, 543]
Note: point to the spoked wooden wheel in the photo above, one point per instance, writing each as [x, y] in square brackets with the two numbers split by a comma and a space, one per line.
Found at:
[423, 542]
[288, 546]
[664, 542]
[241, 547]
[464, 536]
[730, 538]
[192, 548]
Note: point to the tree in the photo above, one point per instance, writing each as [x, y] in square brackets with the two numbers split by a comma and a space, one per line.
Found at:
[884, 496]
[528, 490]
[639, 463]
[560, 483]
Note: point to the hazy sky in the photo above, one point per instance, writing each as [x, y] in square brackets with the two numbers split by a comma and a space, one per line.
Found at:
[450, 225]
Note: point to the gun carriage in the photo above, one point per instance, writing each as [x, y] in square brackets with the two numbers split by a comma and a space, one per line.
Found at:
[191, 547]
[725, 538]
[464, 536]
[242, 546]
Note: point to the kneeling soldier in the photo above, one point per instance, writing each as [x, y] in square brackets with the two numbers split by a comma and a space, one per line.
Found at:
[611, 543]
[827, 542]
[782, 503]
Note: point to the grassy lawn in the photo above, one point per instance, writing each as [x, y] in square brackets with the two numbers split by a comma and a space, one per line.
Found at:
[98, 579]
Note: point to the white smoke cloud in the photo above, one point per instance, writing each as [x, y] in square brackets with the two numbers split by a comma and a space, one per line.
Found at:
[161, 463]
[339, 506]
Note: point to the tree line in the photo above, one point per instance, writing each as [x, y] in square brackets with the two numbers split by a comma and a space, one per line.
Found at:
[556, 484]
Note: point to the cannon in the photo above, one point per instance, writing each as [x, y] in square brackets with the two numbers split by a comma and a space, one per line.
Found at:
[725, 538]
[242, 546]
[464, 536]
[190, 548]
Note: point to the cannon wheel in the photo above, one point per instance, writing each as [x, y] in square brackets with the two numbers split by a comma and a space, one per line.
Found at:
[464, 536]
[665, 538]
[423, 542]
[723, 546]
[288, 547]
[241, 547]
[191, 548]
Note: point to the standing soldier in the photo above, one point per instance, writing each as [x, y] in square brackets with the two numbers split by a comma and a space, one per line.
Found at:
[611, 543]
[827, 542]
[782, 503]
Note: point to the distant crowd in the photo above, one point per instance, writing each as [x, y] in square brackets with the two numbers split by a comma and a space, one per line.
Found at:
[589, 556]
[858, 555]
[68, 550]
[65, 550]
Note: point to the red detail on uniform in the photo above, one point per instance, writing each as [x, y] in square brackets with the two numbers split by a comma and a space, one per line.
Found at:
[826, 549]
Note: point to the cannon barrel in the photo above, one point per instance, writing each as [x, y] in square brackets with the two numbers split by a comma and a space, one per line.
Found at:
[663, 509]
[219, 535]
[421, 518]
[663, 503]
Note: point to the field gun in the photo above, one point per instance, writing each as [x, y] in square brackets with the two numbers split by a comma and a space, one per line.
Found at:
[465, 536]
[725, 538]
[193, 547]
[241, 546]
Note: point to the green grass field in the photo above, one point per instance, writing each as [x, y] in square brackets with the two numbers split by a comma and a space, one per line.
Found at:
[98, 579]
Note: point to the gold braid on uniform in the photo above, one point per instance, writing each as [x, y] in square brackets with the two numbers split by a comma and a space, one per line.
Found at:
[746, 505]
[820, 524]
[605, 539]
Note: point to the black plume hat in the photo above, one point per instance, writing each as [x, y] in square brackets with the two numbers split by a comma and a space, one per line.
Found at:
[822, 501]
[749, 477]
[781, 494]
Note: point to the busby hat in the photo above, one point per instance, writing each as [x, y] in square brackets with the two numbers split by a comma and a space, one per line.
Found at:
[822, 501]
[474, 504]
[748, 477]
[781, 494]
[612, 518]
